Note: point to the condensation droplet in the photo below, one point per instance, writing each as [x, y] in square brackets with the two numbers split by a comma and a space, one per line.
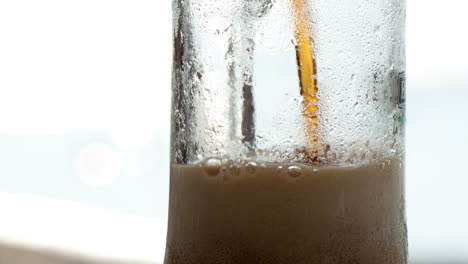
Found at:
[376, 28]
[212, 166]
[294, 171]
[316, 171]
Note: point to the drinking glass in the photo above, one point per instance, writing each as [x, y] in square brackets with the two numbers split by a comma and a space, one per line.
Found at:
[287, 132]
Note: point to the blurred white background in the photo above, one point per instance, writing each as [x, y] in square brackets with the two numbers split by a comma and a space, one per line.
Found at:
[84, 126]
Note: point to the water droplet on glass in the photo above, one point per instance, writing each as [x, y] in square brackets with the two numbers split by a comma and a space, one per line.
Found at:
[316, 171]
[376, 28]
[212, 166]
[98, 164]
[294, 171]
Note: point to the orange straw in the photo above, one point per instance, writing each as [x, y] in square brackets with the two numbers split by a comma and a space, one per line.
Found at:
[307, 75]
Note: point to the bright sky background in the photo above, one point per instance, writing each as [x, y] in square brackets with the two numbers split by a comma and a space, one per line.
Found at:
[436, 42]
[79, 65]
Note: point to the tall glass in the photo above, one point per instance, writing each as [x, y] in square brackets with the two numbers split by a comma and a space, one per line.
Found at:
[287, 132]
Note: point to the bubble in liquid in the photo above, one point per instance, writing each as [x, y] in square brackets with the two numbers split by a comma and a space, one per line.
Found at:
[294, 171]
[251, 167]
[279, 169]
[382, 165]
[233, 168]
[316, 171]
[212, 166]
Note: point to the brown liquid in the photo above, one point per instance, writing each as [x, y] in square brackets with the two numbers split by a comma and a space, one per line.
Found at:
[293, 214]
